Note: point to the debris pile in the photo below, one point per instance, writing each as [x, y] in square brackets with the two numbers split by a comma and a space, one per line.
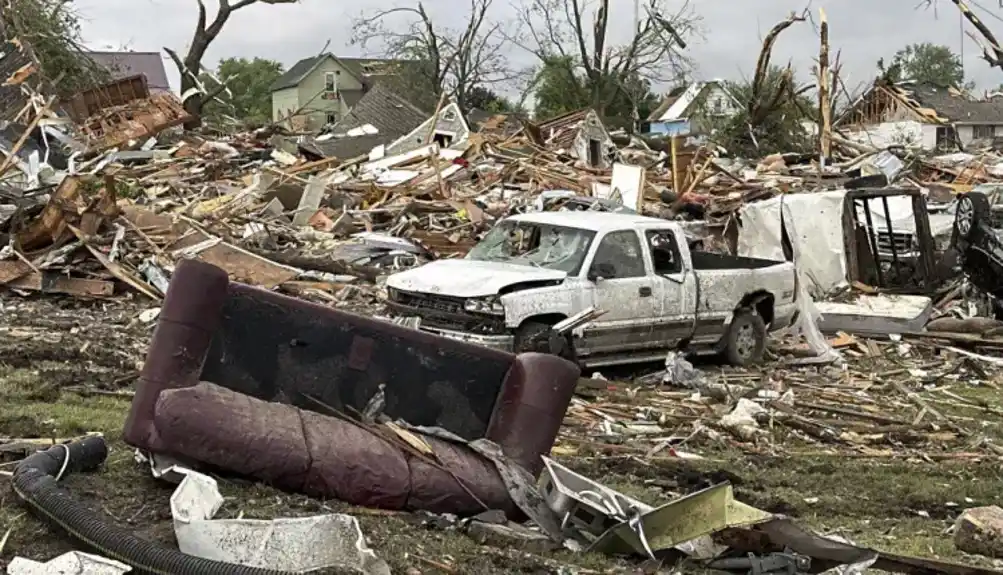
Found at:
[103, 198]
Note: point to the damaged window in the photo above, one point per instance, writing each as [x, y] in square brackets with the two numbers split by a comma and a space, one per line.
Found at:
[664, 252]
[621, 251]
[537, 245]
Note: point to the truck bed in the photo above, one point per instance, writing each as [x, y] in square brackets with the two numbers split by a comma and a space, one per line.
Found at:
[712, 261]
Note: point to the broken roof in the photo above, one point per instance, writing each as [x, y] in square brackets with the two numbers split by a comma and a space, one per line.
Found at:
[124, 64]
[560, 131]
[953, 104]
[386, 107]
[933, 104]
[361, 68]
[482, 121]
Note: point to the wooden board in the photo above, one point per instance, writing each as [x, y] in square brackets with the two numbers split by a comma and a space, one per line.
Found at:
[55, 283]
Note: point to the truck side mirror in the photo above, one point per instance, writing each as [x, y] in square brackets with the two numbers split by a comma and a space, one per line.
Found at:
[601, 270]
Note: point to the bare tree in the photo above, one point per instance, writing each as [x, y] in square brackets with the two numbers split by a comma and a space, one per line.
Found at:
[191, 66]
[555, 30]
[440, 59]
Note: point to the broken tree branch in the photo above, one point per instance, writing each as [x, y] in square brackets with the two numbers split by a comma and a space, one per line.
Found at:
[824, 88]
[763, 63]
[190, 66]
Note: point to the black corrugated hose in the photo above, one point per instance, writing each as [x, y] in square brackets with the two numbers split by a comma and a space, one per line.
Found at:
[35, 482]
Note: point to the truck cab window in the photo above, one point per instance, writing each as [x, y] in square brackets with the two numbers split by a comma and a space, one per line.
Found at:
[664, 252]
[622, 251]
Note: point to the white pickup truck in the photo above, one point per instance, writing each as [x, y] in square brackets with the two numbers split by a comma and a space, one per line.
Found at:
[534, 270]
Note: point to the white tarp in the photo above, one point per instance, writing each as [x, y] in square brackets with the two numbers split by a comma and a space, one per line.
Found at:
[818, 238]
[808, 314]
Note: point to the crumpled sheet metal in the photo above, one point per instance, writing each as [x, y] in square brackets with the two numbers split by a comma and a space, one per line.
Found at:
[682, 523]
[322, 456]
[72, 563]
[627, 526]
[299, 545]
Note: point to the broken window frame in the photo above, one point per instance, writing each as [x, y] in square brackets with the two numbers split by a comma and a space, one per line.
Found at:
[331, 83]
[857, 270]
[983, 131]
[664, 241]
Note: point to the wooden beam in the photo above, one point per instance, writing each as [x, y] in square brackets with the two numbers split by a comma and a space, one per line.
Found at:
[56, 283]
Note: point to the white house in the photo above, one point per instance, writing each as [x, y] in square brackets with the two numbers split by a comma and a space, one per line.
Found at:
[693, 109]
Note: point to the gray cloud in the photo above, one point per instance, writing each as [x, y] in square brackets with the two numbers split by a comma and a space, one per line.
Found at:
[862, 30]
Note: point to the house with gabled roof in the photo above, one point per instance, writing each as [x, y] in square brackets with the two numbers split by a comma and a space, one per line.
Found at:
[693, 109]
[121, 65]
[321, 90]
[394, 115]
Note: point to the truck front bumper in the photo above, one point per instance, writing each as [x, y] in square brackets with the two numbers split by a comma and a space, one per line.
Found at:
[499, 342]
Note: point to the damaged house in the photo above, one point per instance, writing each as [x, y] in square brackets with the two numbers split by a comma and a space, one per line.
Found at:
[581, 135]
[693, 109]
[392, 118]
[321, 90]
[920, 115]
[122, 65]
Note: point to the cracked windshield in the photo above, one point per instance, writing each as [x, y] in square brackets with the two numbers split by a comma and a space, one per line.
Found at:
[537, 245]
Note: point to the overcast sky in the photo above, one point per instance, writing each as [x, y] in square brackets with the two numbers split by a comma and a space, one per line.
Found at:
[863, 30]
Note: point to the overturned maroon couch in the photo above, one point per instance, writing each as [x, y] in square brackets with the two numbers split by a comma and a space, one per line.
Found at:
[281, 350]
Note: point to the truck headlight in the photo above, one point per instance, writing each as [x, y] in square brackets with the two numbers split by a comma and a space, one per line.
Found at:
[490, 305]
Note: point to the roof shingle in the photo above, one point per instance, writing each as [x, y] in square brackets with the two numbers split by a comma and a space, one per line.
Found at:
[385, 108]
[952, 104]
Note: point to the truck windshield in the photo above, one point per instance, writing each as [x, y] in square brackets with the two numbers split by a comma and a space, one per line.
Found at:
[537, 245]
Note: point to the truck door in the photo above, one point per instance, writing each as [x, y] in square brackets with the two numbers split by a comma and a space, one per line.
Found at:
[675, 287]
[624, 288]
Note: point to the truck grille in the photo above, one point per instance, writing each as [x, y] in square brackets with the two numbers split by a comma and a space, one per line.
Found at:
[434, 303]
[902, 242]
[443, 312]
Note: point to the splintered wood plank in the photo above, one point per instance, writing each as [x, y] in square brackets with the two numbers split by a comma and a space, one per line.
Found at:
[54, 283]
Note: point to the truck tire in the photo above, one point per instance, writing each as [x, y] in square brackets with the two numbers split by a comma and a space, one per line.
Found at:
[531, 331]
[972, 208]
[745, 341]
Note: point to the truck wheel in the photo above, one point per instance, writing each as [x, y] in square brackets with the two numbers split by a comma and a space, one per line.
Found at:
[745, 341]
[972, 209]
[533, 336]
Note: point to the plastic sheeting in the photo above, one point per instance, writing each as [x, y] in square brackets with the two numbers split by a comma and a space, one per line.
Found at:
[818, 258]
[818, 240]
[299, 545]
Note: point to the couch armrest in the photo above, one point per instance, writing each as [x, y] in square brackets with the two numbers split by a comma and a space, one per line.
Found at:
[531, 406]
[190, 314]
